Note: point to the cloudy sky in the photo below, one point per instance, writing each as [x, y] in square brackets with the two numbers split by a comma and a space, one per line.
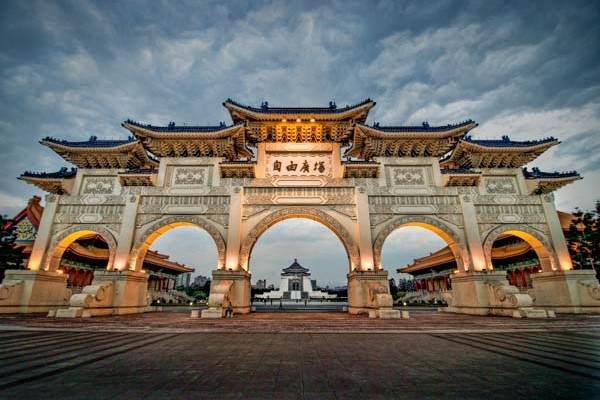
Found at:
[70, 69]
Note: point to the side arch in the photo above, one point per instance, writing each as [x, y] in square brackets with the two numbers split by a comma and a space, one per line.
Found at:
[436, 226]
[63, 239]
[300, 212]
[142, 244]
[535, 239]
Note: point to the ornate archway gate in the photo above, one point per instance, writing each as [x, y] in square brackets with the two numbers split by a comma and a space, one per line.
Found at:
[277, 163]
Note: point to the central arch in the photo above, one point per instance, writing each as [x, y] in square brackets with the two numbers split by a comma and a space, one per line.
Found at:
[300, 212]
[441, 229]
[141, 246]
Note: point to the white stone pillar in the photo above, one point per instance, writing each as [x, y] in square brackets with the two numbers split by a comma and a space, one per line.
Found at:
[121, 261]
[44, 234]
[474, 243]
[234, 230]
[557, 237]
[363, 221]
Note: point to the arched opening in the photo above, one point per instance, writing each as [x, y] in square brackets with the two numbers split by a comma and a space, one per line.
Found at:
[79, 254]
[178, 259]
[299, 263]
[520, 254]
[424, 262]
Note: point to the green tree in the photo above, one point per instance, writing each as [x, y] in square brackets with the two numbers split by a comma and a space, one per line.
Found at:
[583, 238]
[10, 257]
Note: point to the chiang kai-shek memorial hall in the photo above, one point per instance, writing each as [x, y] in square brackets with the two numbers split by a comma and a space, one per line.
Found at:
[322, 163]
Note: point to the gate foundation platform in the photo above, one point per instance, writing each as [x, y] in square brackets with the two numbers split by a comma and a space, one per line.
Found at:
[228, 287]
[25, 291]
[111, 293]
[369, 293]
[572, 292]
[489, 293]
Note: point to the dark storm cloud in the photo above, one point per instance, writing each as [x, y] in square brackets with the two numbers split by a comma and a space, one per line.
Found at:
[71, 69]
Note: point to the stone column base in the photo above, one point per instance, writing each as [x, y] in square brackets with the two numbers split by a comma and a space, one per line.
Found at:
[567, 292]
[111, 293]
[225, 287]
[25, 291]
[369, 293]
[489, 293]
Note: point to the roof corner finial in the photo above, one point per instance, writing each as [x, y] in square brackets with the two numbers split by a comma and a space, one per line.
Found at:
[332, 105]
[295, 260]
[93, 138]
[264, 105]
[505, 138]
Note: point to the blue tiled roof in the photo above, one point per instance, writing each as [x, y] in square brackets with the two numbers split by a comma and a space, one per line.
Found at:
[506, 142]
[458, 171]
[536, 173]
[425, 127]
[175, 128]
[64, 172]
[91, 142]
[265, 109]
[295, 268]
[141, 171]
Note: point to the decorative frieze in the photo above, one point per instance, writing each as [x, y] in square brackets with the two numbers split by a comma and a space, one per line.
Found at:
[286, 195]
[506, 199]
[413, 204]
[91, 213]
[184, 204]
[509, 213]
[91, 199]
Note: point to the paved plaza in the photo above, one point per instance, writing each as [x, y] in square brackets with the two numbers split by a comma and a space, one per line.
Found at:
[299, 356]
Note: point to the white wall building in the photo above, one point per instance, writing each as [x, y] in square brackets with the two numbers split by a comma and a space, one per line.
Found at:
[296, 285]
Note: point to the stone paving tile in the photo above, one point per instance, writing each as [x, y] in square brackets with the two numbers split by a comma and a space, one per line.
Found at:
[343, 365]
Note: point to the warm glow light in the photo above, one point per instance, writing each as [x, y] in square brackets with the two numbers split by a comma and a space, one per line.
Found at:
[312, 120]
[143, 271]
[284, 120]
[60, 271]
[298, 120]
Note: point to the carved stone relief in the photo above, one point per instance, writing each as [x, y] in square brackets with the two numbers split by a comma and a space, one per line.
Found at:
[25, 231]
[98, 185]
[506, 185]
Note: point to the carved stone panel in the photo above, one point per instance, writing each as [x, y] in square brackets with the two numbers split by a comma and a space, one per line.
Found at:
[500, 185]
[99, 185]
[188, 176]
[408, 175]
